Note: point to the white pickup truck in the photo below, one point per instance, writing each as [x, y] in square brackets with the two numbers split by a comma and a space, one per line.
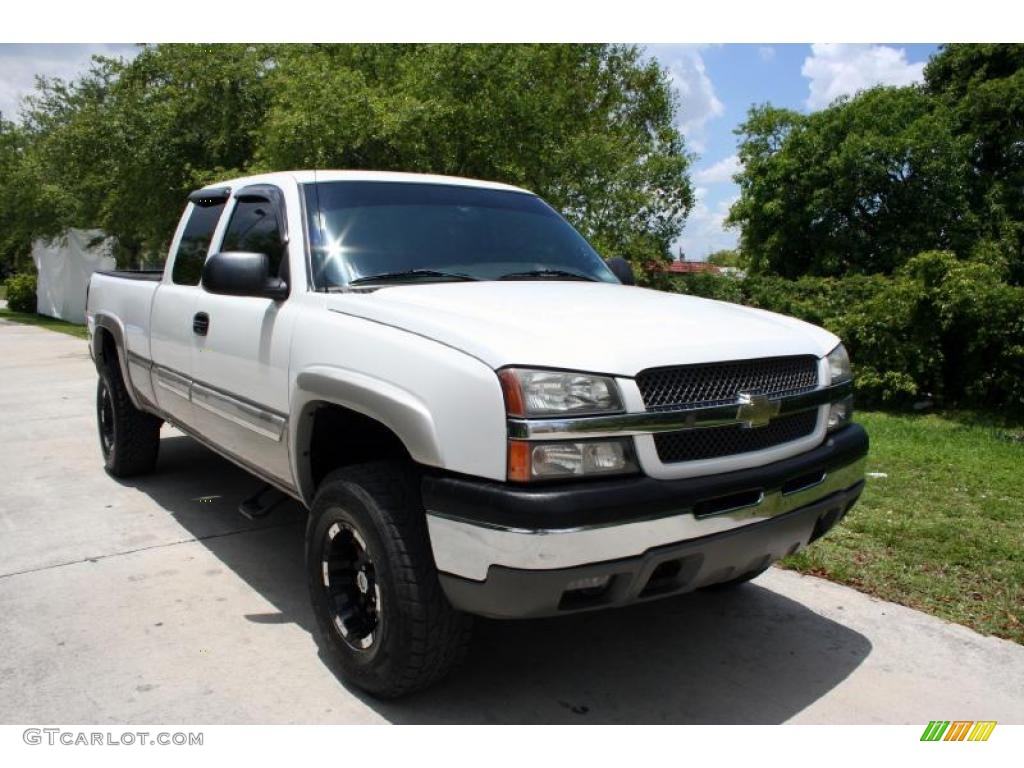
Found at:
[479, 415]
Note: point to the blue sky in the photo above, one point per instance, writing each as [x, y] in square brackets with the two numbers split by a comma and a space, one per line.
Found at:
[716, 84]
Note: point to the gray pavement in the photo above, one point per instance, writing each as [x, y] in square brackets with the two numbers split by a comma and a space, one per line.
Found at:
[141, 602]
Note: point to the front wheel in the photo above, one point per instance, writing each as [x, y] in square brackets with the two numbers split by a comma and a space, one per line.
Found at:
[382, 616]
[129, 438]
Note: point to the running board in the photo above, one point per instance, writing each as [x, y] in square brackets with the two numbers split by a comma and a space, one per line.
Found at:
[261, 503]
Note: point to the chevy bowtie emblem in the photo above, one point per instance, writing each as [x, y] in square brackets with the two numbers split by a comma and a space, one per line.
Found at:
[756, 410]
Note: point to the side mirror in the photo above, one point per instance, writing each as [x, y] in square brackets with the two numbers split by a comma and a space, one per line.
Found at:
[242, 273]
[622, 270]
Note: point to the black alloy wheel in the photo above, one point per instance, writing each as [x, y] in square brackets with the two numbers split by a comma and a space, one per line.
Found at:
[105, 418]
[350, 581]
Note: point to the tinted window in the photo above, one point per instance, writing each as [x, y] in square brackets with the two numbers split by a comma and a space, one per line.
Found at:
[254, 227]
[195, 242]
[359, 229]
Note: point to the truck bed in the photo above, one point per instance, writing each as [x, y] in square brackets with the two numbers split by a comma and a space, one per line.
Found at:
[127, 296]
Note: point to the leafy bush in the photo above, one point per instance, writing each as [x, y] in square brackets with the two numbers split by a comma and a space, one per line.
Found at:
[707, 285]
[21, 292]
[941, 328]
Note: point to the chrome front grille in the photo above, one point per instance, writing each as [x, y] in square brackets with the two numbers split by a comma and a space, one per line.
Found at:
[691, 386]
[711, 384]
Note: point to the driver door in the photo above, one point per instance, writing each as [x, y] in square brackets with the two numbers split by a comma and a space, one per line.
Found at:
[240, 368]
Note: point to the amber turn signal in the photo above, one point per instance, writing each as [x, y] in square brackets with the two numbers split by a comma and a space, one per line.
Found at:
[513, 393]
[519, 461]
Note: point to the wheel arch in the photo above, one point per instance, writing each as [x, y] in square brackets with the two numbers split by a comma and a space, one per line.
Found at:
[380, 414]
[109, 339]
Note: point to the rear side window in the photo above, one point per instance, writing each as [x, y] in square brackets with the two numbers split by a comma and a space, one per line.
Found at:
[195, 243]
[254, 227]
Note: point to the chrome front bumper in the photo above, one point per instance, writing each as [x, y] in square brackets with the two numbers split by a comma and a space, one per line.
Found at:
[743, 552]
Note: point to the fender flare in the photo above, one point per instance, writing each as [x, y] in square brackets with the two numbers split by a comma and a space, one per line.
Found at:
[112, 325]
[397, 409]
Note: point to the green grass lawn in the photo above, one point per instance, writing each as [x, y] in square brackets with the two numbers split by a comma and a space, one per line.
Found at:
[43, 321]
[943, 532]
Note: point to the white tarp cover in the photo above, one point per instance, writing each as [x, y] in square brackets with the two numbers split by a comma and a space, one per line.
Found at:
[64, 265]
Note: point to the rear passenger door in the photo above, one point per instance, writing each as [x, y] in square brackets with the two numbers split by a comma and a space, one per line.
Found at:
[172, 333]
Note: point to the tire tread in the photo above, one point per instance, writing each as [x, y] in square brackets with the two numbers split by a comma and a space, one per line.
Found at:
[136, 433]
[439, 636]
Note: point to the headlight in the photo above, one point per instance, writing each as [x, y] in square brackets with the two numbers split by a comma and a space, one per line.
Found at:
[840, 413]
[531, 392]
[551, 460]
[839, 365]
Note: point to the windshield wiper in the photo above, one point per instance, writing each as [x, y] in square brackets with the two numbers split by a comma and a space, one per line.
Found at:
[405, 273]
[546, 273]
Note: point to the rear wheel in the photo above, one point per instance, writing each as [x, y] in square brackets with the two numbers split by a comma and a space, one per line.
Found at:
[382, 616]
[129, 438]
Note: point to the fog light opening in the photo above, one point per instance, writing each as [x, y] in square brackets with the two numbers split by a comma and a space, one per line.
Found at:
[590, 582]
[585, 592]
[664, 578]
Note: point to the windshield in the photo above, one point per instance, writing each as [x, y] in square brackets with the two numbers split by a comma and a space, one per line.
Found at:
[363, 232]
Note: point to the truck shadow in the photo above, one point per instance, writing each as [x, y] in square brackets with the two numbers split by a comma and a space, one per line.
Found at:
[746, 656]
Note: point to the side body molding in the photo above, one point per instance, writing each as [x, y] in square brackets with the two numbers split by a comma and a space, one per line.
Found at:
[396, 408]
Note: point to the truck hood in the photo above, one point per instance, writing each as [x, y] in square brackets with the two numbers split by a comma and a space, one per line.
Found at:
[598, 327]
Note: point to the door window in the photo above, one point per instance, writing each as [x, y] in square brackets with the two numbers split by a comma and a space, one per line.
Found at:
[195, 243]
[254, 226]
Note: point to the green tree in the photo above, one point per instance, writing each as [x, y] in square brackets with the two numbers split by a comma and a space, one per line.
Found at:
[15, 235]
[858, 187]
[728, 258]
[589, 127]
[122, 146]
[983, 86]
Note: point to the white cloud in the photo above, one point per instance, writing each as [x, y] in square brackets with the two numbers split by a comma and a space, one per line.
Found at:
[705, 230]
[698, 103]
[843, 69]
[719, 172]
[21, 63]
[766, 52]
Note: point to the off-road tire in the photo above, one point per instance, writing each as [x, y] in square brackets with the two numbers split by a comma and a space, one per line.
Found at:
[420, 638]
[129, 438]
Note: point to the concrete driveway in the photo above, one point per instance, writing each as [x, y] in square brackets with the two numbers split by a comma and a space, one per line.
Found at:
[154, 601]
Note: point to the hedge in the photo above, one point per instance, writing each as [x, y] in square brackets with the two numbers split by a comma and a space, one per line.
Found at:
[21, 292]
[939, 328]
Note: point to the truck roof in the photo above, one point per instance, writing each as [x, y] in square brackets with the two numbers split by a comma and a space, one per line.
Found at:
[309, 176]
